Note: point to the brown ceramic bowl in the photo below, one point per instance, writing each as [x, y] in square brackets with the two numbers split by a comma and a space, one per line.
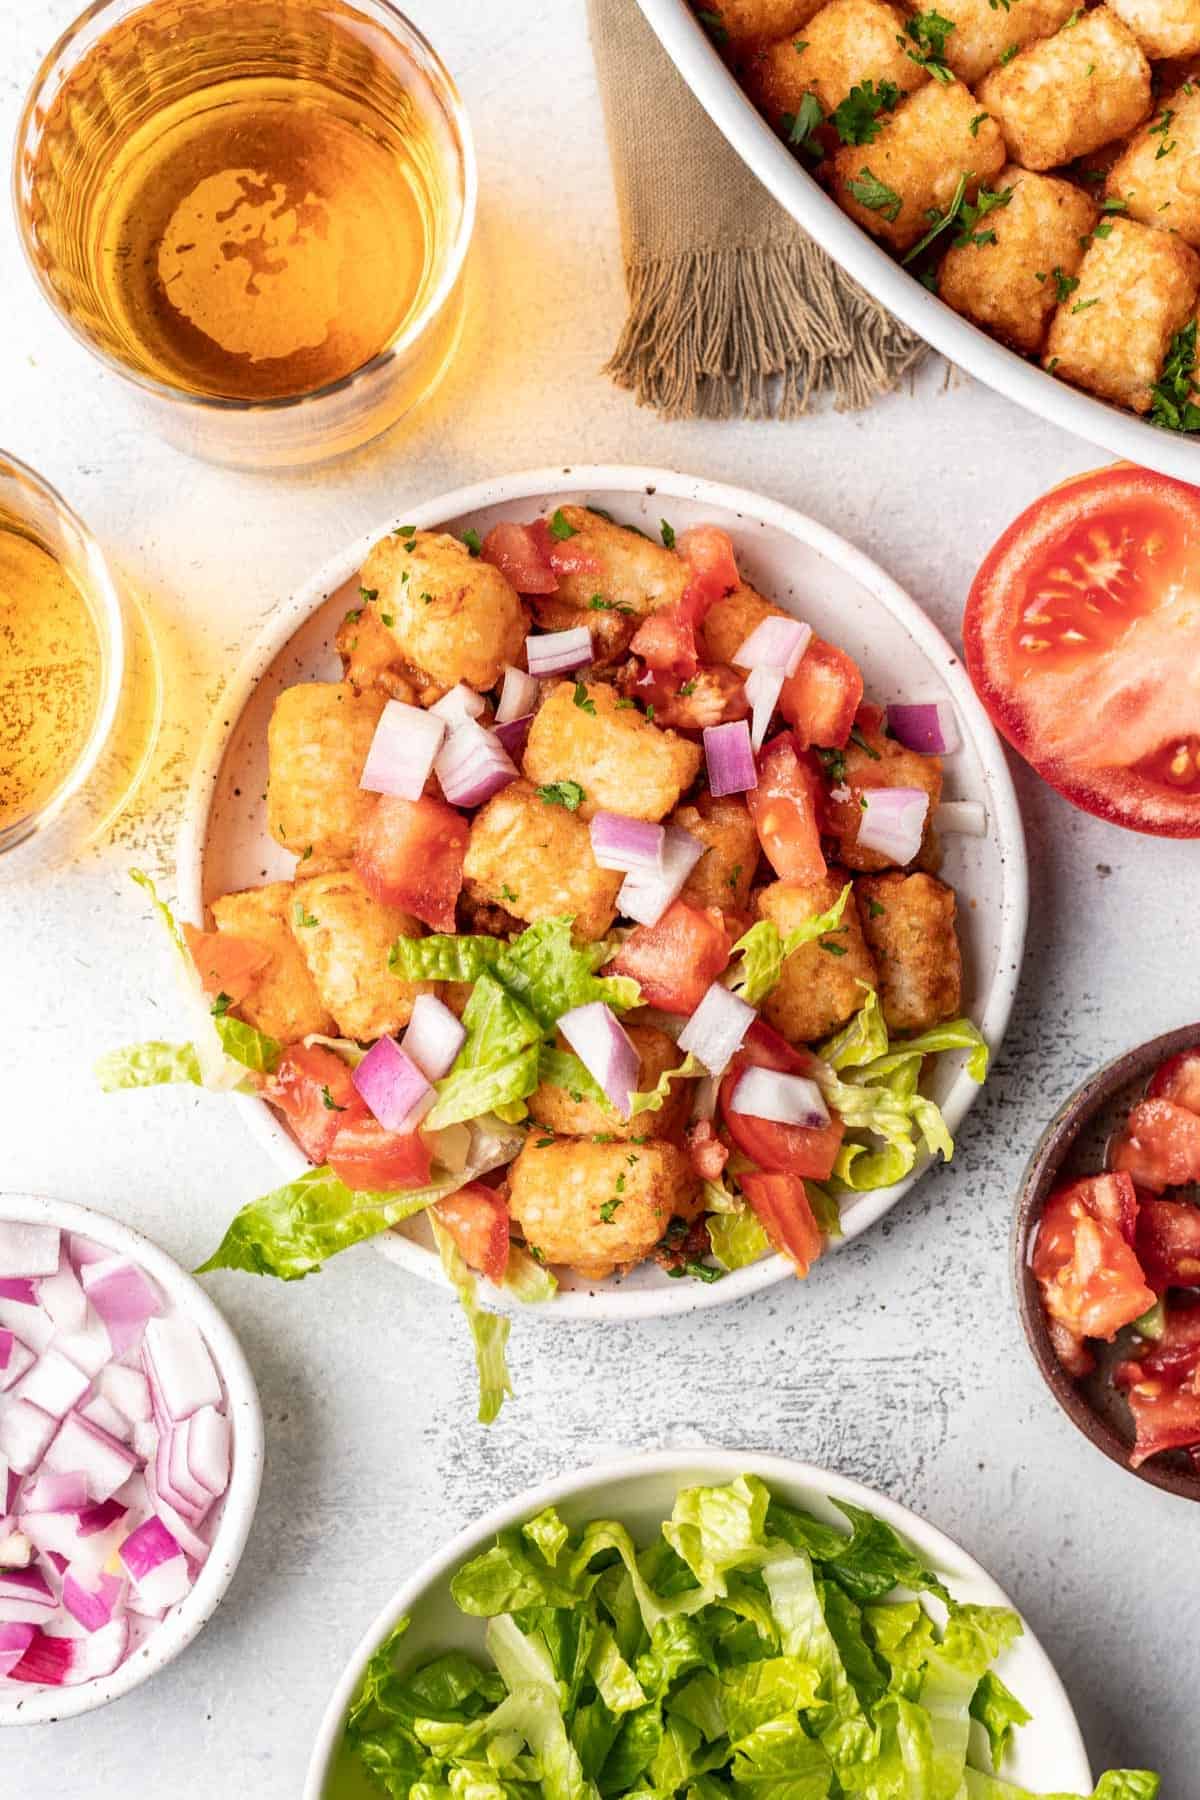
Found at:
[1074, 1144]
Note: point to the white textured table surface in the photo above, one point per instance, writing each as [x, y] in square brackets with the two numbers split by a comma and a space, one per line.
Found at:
[901, 1361]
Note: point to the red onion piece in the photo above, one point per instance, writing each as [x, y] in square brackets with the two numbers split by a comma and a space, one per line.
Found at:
[514, 734]
[786, 1099]
[52, 1661]
[15, 1358]
[558, 652]
[179, 1368]
[605, 1050]
[208, 1450]
[473, 765]
[14, 1641]
[402, 751]
[155, 1564]
[893, 822]
[929, 726]
[82, 1250]
[19, 1290]
[25, 1432]
[123, 1297]
[170, 1470]
[619, 842]
[646, 897]
[81, 1446]
[55, 1493]
[28, 1250]
[25, 1596]
[89, 1348]
[102, 1412]
[716, 1028]
[434, 1037]
[518, 696]
[459, 707]
[192, 1545]
[91, 1596]
[729, 755]
[62, 1299]
[127, 1389]
[776, 643]
[763, 688]
[54, 1384]
[393, 1087]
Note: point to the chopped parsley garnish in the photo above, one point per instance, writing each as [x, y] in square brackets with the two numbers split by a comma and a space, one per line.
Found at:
[940, 221]
[307, 854]
[1103, 230]
[1113, 205]
[715, 27]
[856, 737]
[668, 533]
[876, 911]
[1160, 128]
[583, 700]
[221, 1005]
[543, 1143]
[970, 213]
[834, 762]
[697, 1270]
[856, 120]
[368, 594]
[650, 713]
[472, 541]
[389, 619]
[801, 125]
[1171, 404]
[329, 1103]
[598, 603]
[688, 688]
[734, 874]
[559, 527]
[562, 793]
[876, 195]
[301, 917]
[832, 948]
[1006, 56]
[1064, 285]
[1082, 305]
[799, 45]
[353, 616]
[608, 1210]
[928, 31]
[506, 891]
[976, 122]
[405, 531]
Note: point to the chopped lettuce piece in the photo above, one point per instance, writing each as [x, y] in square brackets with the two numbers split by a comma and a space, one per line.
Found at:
[148, 1065]
[498, 1063]
[565, 1070]
[764, 949]
[737, 1238]
[999, 1712]
[489, 1330]
[1117, 1784]
[553, 975]
[548, 1533]
[444, 957]
[248, 1046]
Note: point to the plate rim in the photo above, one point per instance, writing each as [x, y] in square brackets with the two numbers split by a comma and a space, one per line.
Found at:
[291, 613]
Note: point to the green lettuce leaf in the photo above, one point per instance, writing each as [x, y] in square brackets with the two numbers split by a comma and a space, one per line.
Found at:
[840, 1722]
[876, 1559]
[148, 1065]
[526, 1279]
[248, 1046]
[1117, 1784]
[999, 1712]
[861, 1040]
[547, 1533]
[489, 1330]
[764, 949]
[498, 1063]
[716, 1529]
[780, 1761]
[444, 957]
[737, 1238]
[562, 1068]
[552, 975]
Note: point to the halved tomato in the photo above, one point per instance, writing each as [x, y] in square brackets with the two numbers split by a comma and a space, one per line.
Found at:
[1082, 636]
[1167, 1418]
[785, 807]
[677, 960]
[410, 854]
[1168, 1243]
[788, 1149]
[516, 551]
[371, 1159]
[1178, 1080]
[781, 1204]
[314, 1090]
[820, 700]
[1159, 1145]
[225, 963]
[1091, 1281]
[477, 1219]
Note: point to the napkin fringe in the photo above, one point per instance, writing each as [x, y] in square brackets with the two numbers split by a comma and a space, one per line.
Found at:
[754, 333]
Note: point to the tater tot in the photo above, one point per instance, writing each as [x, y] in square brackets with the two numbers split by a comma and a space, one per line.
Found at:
[1137, 287]
[557, 1109]
[597, 1207]
[823, 983]
[730, 621]
[317, 743]
[611, 626]
[609, 562]
[1066, 95]
[535, 859]
[725, 873]
[1009, 286]
[453, 616]
[908, 921]
[345, 938]
[624, 763]
[1157, 175]
[878, 761]
[985, 29]
[285, 1002]
[911, 171]
[742, 21]
[847, 43]
[1162, 27]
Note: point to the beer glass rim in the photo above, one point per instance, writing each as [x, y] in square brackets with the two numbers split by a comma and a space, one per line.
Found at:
[66, 54]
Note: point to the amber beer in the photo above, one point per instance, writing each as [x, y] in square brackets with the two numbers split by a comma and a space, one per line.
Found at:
[249, 203]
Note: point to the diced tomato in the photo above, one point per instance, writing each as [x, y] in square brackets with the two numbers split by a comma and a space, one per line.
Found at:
[1168, 1243]
[781, 1204]
[225, 963]
[1171, 1357]
[785, 807]
[1167, 1418]
[517, 552]
[714, 695]
[477, 1219]
[1178, 1080]
[313, 1089]
[708, 552]
[677, 960]
[1159, 1145]
[371, 1159]
[410, 854]
[820, 700]
[1091, 1281]
[565, 556]
[1109, 1197]
[708, 1154]
[666, 643]
[1071, 1351]
[788, 1149]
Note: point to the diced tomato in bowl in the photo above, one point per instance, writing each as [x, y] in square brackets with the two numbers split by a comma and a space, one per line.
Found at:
[410, 854]
[1168, 1243]
[821, 699]
[1159, 1145]
[801, 1150]
[1178, 1080]
[477, 1219]
[786, 809]
[517, 551]
[226, 964]
[1090, 1279]
[676, 961]
[314, 1090]
[371, 1159]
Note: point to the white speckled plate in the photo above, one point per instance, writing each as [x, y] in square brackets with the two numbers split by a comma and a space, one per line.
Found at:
[786, 556]
[1048, 1753]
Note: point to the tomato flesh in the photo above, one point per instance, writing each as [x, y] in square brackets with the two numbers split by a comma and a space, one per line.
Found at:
[1091, 1281]
[1172, 1356]
[714, 695]
[477, 1219]
[708, 552]
[666, 643]
[314, 1090]
[1168, 1243]
[371, 1159]
[785, 807]
[781, 1205]
[517, 553]
[564, 556]
[802, 1150]
[1159, 1145]
[1167, 1418]
[410, 854]
[820, 700]
[226, 964]
[676, 961]
[1178, 1080]
[1081, 634]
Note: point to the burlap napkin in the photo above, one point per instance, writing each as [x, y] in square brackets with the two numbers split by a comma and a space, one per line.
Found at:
[733, 311]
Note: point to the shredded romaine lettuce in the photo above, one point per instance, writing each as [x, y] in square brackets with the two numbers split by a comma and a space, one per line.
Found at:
[563, 1069]
[489, 1330]
[764, 949]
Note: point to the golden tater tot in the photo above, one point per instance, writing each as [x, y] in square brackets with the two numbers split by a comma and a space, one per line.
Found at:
[983, 32]
[285, 1002]
[584, 732]
[874, 762]
[453, 616]
[317, 743]
[725, 873]
[908, 921]
[1010, 285]
[345, 940]
[1157, 175]
[740, 22]
[1137, 287]
[911, 171]
[847, 43]
[598, 1207]
[556, 1108]
[535, 859]
[822, 984]
[609, 562]
[730, 621]
[611, 626]
[1066, 95]
[1164, 28]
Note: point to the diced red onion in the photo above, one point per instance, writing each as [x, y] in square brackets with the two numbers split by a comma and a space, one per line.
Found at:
[94, 1520]
[716, 1028]
[619, 842]
[967, 818]
[184, 1484]
[124, 1298]
[102, 1412]
[25, 1432]
[208, 1449]
[127, 1389]
[62, 1298]
[55, 1493]
[729, 755]
[434, 1037]
[929, 726]
[893, 822]
[763, 688]
[406, 741]
[54, 1384]
[28, 1250]
[192, 1545]
[52, 1661]
[25, 1596]
[459, 707]
[473, 765]
[82, 1250]
[104, 1462]
[15, 1358]
[646, 897]
[89, 1348]
[14, 1642]
[393, 1086]
[156, 1564]
[91, 1596]
[786, 1099]
[605, 1050]
[179, 1367]
[518, 696]
[18, 1289]
[514, 734]
[144, 1439]
[558, 652]
[776, 643]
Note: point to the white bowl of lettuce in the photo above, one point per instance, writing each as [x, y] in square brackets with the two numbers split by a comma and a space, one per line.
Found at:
[731, 1625]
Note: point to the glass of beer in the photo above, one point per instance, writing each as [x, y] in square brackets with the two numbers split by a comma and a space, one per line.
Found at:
[257, 213]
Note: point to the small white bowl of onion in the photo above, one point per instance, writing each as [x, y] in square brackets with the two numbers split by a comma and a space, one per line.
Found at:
[131, 1452]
